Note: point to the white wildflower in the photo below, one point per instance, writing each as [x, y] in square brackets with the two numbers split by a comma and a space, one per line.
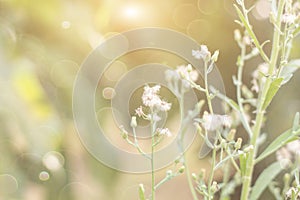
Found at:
[286, 155]
[294, 147]
[187, 72]
[171, 75]
[153, 117]
[203, 53]
[259, 76]
[292, 191]
[164, 106]
[164, 131]
[139, 111]
[150, 97]
[247, 40]
[289, 18]
[212, 122]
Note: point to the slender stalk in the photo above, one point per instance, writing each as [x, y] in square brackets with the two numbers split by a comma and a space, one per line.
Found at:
[188, 174]
[212, 172]
[260, 110]
[206, 88]
[152, 156]
[239, 84]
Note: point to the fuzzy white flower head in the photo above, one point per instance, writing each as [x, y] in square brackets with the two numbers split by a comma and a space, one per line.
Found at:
[150, 97]
[289, 18]
[258, 76]
[187, 72]
[294, 146]
[164, 106]
[164, 131]
[171, 75]
[139, 111]
[212, 122]
[203, 53]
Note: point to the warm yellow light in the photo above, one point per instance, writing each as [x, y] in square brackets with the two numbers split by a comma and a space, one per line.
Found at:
[131, 11]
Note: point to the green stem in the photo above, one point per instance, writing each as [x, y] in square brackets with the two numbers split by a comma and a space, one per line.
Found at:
[206, 88]
[239, 96]
[212, 172]
[152, 156]
[260, 110]
[226, 174]
[188, 174]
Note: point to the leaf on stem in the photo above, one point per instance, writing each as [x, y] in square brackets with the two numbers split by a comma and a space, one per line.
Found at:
[274, 87]
[280, 141]
[288, 70]
[243, 163]
[296, 122]
[264, 180]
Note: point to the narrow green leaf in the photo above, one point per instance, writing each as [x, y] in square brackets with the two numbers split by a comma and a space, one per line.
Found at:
[251, 33]
[142, 192]
[264, 180]
[243, 163]
[296, 122]
[274, 87]
[280, 141]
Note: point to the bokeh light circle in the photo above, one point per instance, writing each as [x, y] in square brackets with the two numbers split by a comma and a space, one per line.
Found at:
[94, 67]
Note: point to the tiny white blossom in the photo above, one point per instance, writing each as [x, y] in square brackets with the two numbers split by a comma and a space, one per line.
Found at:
[164, 106]
[187, 72]
[171, 75]
[226, 121]
[294, 146]
[150, 97]
[289, 18]
[164, 131]
[203, 53]
[139, 111]
[156, 118]
[212, 122]
[258, 76]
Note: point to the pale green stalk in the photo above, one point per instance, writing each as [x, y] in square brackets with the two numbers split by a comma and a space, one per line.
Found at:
[152, 156]
[188, 174]
[260, 110]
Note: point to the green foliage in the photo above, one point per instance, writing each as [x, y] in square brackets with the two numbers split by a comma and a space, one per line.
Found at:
[264, 180]
[274, 87]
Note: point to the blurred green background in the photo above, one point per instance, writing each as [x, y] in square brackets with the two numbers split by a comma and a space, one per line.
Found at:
[42, 45]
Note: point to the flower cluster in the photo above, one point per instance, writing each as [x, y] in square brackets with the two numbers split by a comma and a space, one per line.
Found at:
[203, 53]
[151, 99]
[288, 154]
[291, 14]
[164, 132]
[212, 122]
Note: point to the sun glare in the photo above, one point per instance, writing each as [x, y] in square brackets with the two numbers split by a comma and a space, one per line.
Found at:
[131, 11]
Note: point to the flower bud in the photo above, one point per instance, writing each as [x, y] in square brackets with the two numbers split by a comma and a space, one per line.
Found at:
[214, 187]
[194, 176]
[202, 174]
[238, 143]
[237, 35]
[215, 56]
[181, 169]
[124, 133]
[133, 122]
[169, 173]
[231, 135]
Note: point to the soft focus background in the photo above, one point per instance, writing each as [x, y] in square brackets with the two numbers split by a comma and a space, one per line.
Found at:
[42, 45]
